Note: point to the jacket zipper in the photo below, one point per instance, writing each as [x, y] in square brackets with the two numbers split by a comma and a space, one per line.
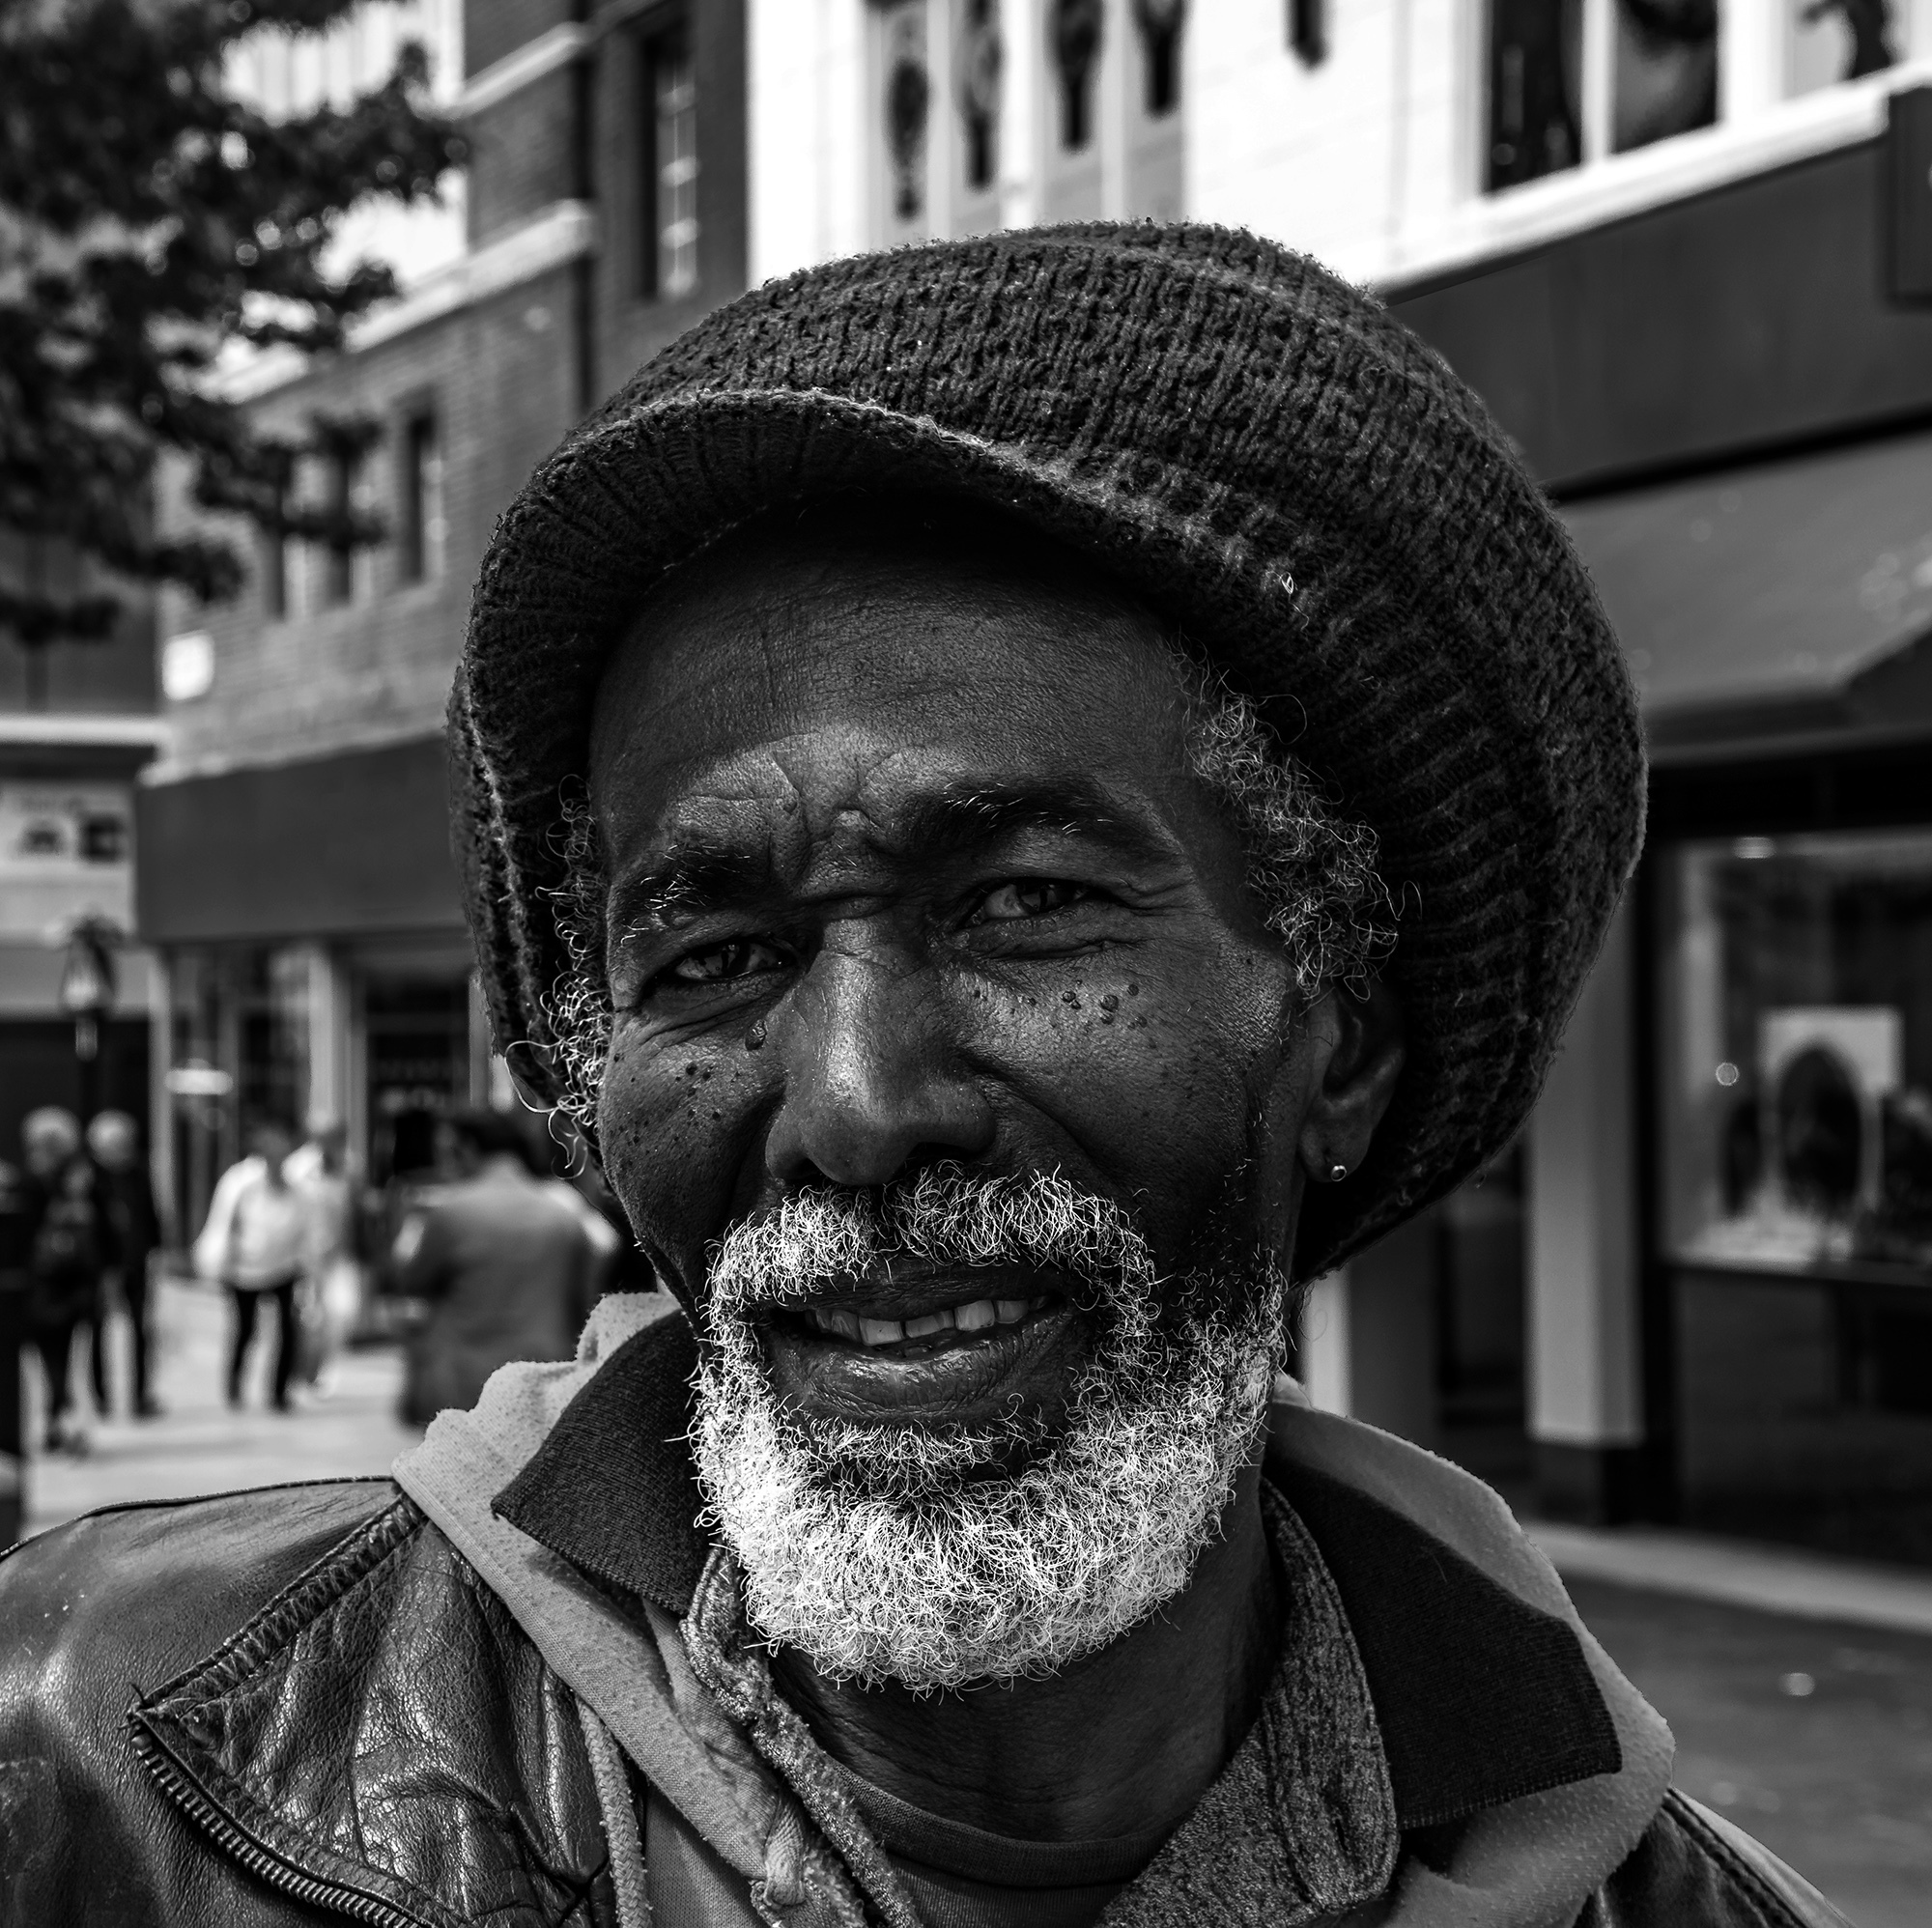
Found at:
[309, 1890]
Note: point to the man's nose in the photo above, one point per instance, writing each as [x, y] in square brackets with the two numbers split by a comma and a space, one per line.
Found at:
[873, 1081]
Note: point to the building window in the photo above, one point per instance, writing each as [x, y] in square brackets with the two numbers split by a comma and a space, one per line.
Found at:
[1828, 40]
[1797, 1068]
[1160, 22]
[273, 561]
[668, 244]
[1076, 30]
[420, 523]
[1535, 116]
[338, 577]
[1666, 70]
[979, 93]
[1575, 79]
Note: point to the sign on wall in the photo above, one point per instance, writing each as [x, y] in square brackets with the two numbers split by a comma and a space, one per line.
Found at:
[66, 850]
[64, 829]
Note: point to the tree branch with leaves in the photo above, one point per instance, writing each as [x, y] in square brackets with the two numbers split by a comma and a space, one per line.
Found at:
[150, 220]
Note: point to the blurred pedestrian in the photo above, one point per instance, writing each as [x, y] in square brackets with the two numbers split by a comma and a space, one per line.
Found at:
[114, 1141]
[70, 1244]
[256, 1242]
[504, 1265]
[330, 1297]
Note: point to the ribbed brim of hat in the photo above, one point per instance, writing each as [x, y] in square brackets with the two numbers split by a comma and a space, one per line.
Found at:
[1250, 445]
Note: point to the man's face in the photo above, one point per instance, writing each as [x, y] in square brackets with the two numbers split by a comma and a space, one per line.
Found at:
[906, 867]
[955, 1084]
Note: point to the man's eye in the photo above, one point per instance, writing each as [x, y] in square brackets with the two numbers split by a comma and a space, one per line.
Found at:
[721, 963]
[1030, 897]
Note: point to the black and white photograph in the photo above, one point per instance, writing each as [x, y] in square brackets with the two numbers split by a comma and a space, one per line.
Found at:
[966, 963]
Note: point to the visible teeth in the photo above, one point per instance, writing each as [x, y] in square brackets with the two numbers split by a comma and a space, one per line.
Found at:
[979, 1316]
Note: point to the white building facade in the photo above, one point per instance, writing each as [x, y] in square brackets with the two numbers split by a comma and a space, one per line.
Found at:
[1365, 132]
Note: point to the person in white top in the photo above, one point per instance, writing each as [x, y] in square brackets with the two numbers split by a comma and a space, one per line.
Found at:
[323, 1172]
[257, 1242]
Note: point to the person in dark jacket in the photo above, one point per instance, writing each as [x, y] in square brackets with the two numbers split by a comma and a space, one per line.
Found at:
[1027, 796]
[114, 1142]
[505, 1268]
[71, 1243]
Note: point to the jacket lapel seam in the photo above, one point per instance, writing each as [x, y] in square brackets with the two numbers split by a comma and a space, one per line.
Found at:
[170, 1735]
[345, 1567]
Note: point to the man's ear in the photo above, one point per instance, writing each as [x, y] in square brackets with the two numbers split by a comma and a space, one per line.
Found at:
[1359, 1058]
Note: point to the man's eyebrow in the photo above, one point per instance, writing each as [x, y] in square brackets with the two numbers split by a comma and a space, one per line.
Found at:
[951, 822]
[685, 882]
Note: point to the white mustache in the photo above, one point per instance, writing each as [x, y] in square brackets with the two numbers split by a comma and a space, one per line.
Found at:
[943, 1216]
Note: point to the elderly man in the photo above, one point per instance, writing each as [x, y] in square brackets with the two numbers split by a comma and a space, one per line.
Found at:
[1026, 795]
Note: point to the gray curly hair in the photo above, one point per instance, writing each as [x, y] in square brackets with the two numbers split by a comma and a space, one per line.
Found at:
[1311, 870]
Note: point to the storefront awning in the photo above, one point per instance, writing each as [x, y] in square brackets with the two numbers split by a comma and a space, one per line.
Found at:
[345, 846]
[1786, 597]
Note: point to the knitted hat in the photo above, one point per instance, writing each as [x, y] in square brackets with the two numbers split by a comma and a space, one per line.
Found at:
[1261, 453]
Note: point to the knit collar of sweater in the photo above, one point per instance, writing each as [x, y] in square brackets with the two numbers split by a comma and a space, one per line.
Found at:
[1497, 1766]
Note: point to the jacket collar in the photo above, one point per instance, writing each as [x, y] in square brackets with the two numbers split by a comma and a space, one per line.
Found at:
[1483, 1696]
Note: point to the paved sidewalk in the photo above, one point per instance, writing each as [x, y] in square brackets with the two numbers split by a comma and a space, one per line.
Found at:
[1770, 1579]
[198, 1445]
[1813, 1735]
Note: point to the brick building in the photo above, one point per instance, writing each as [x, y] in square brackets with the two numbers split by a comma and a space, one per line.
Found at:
[294, 876]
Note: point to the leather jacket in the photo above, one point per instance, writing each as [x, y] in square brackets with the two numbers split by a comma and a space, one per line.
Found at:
[303, 1704]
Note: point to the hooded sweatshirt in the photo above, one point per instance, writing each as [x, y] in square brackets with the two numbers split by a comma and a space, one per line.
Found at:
[747, 1819]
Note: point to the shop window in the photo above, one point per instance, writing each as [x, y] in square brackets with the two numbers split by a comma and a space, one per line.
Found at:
[1797, 1069]
[271, 991]
[1665, 71]
[1830, 40]
[417, 1046]
[1535, 89]
[668, 237]
[420, 523]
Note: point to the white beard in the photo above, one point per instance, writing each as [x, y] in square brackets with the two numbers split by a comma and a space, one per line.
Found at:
[907, 1554]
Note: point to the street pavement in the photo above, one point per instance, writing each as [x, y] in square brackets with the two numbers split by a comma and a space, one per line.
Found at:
[1814, 1736]
[198, 1445]
[1813, 1733]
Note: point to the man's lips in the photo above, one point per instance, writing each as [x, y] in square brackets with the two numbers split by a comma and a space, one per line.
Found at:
[938, 1342]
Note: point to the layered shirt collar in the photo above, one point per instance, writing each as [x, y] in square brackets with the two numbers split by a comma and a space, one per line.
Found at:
[1419, 1690]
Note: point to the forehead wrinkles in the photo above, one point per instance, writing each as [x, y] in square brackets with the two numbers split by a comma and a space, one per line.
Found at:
[799, 802]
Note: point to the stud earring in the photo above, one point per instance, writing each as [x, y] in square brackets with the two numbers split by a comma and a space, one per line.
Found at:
[1337, 1173]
